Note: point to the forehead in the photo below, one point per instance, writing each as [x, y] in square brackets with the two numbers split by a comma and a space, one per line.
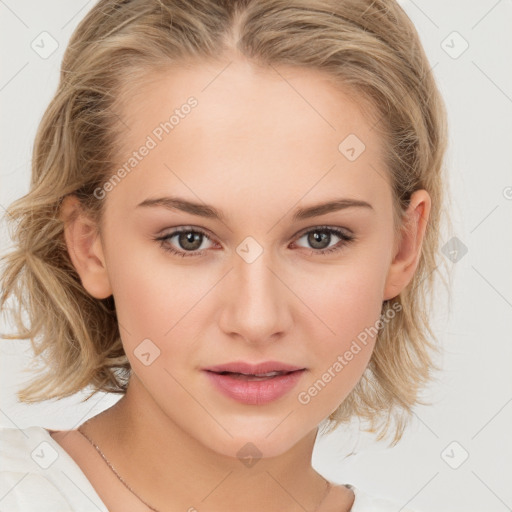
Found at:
[250, 128]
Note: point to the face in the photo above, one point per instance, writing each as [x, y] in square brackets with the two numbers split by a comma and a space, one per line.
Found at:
[252, 273]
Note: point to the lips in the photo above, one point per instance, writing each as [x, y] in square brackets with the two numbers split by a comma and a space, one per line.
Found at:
[267, 367]
[254, 384]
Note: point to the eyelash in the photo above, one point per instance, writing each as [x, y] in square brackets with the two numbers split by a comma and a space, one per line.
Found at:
[345, 240]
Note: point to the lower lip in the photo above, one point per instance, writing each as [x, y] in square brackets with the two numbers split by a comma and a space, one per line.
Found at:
[255, 392]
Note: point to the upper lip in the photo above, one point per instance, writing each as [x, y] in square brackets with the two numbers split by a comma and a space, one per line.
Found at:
[253, 369]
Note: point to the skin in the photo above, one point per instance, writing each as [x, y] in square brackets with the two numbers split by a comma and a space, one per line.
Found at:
[256, 150]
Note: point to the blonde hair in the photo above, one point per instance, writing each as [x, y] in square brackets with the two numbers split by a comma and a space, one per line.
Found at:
[369, 48]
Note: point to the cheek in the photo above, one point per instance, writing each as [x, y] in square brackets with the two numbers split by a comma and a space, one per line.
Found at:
[161, 301]
[348, 301]
[154, 304]
[145, 290]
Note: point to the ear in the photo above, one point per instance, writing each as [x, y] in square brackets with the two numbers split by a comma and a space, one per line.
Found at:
[408, 248]
[85, 248]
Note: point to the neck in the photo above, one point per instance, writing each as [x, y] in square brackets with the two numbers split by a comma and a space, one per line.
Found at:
[174, 471]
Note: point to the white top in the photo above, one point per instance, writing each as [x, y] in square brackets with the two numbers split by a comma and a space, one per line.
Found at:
[38, 475]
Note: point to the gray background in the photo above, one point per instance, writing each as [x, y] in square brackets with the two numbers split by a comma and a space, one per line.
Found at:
[472, 400]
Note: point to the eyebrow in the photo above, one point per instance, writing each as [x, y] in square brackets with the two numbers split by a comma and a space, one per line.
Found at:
[204, 210]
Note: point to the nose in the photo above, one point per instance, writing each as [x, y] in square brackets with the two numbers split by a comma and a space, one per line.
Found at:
[255, 302]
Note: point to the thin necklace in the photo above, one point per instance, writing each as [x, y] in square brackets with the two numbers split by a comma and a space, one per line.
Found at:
[121, 479]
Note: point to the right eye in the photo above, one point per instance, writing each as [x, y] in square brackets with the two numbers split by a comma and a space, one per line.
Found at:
[189, 241]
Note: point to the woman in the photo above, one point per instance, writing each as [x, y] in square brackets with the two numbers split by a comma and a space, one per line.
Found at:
[233, 222]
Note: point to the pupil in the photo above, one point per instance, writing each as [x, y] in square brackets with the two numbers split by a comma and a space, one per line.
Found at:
[317, 238]
[190, 240]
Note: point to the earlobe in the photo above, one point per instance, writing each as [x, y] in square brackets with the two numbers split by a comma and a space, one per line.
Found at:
[408, 252]
[85, 248]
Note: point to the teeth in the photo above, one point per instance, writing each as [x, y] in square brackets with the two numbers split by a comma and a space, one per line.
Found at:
[257, 375]
[269, 374]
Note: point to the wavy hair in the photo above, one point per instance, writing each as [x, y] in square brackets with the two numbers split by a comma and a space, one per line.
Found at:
[367, 47]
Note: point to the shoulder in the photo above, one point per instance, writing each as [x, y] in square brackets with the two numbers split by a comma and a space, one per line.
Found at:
[25, 450]
[367, 503]
[37, 474]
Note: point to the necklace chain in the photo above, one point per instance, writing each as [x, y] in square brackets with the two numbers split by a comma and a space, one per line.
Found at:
[123, 481]
[120, 478]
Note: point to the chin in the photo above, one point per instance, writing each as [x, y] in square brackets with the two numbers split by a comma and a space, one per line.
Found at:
[250, 443]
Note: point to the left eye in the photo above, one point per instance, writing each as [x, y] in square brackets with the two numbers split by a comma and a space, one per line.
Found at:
[320, 238]
[190, 241]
